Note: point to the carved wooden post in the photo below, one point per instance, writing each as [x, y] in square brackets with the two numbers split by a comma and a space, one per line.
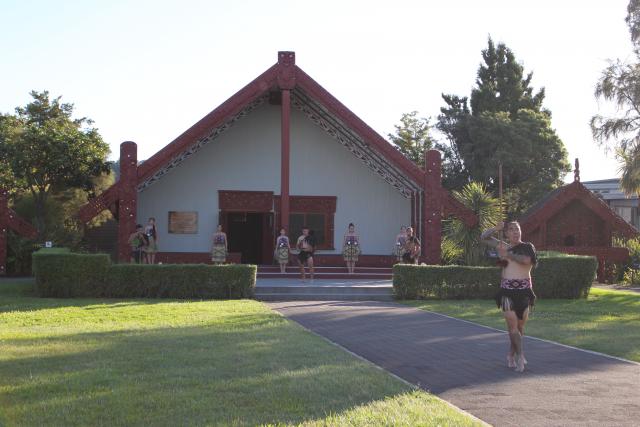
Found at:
[127, 198]
[286, 82]
[4, 229]
[432, 208]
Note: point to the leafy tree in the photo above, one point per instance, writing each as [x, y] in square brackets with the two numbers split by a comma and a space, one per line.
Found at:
[619, 83]
[46, 151]
[503, 122]
[487, 208]
[412, 137]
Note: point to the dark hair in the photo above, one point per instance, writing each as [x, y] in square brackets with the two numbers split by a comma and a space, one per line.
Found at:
[305, 227]
[152, 218]
[351, 224]
[138, 226]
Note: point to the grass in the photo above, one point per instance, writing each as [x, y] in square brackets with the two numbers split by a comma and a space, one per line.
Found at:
[608, 321]
[149, 362]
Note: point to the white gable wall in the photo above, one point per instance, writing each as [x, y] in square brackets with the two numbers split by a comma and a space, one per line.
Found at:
[247, 158]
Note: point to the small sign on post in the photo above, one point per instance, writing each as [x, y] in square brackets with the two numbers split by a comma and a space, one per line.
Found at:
[48, 244]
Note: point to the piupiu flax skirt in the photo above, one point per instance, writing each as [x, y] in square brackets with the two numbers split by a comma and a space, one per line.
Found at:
[350, 253]
[219, 253]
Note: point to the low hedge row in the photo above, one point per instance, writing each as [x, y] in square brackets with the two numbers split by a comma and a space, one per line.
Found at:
[566, 276]
[92, 275]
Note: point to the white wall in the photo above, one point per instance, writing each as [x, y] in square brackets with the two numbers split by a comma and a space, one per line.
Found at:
[247, 157]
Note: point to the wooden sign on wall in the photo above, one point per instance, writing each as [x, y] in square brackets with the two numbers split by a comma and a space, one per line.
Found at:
[183, 222]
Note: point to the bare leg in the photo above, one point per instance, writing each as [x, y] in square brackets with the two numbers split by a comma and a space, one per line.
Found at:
[310, 264]
[521, 323]
[302, 273]
[153, 258]
[516, 339]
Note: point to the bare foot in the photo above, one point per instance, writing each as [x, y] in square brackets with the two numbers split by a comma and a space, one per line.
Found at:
[511, 361]
[520, 364]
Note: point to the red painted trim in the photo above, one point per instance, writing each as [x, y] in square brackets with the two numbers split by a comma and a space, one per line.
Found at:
[4, 229]
[576, 191]
[433, 208]
[284, 160]
[309, 204]
[127, 198]
[321, 260]
[227, 109]
[310, 86]
[245, 201]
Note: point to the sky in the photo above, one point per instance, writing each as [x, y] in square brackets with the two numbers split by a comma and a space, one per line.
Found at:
[146, 71]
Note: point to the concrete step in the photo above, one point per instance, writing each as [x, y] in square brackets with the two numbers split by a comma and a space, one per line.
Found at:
[323, 297]
[322, 275]
[324, 293]
[295, 269]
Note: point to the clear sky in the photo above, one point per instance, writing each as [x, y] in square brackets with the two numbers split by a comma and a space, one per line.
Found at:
[147, 70]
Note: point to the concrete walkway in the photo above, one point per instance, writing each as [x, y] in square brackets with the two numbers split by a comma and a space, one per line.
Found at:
[464, 363]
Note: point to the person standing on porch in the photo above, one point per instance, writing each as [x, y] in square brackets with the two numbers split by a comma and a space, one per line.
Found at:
[152, 237]
[351, 248]
[411, 248]
[306, 244]
[401, 239]
[282, 250]
[219, 247]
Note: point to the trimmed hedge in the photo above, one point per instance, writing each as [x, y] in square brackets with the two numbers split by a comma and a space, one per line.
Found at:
[92, 275]
[566, 276]
[64, 275]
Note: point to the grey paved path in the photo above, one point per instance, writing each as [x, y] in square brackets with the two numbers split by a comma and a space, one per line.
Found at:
[464, 363]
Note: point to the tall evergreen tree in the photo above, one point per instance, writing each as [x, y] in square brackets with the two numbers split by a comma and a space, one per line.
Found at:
[505, 123]
[412, 137]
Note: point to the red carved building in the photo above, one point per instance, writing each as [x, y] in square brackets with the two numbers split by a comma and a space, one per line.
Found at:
[571, 219]
[284, 152]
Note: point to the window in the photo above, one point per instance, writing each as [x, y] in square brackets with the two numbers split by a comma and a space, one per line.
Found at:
[315, 221]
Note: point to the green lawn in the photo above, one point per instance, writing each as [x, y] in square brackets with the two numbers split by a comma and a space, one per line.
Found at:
[99, 362]
[608, 321]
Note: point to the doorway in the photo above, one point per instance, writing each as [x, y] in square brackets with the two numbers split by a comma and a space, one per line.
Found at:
[250, 234]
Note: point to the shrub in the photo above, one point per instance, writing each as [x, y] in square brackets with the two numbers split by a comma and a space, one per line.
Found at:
[65, 274]
[180, 281]
[565, 276]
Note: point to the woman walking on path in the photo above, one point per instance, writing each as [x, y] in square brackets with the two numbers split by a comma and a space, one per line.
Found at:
[351, 248]
[282, 250]
[515, 296]
[219, 247]
[152, 238]
[401, 239]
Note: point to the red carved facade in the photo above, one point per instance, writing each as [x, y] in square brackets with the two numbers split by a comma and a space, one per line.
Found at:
[573, 220]
[245, 201]
[286, 76]
[9, 220]
[127, 198]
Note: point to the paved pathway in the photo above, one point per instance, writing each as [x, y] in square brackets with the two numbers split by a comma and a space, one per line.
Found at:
[464, 364]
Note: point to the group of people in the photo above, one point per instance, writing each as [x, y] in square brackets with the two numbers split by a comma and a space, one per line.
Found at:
[144, 243]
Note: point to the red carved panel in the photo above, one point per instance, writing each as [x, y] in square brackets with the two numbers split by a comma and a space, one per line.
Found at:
[433, 208]
[578, 223]
[309, 204]
[127, 198]
[245, 201]
[4, 228]
[20, 226]
[286, 70]
[105, 200]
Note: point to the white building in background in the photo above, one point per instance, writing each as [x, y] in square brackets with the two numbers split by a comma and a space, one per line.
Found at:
[625, 206]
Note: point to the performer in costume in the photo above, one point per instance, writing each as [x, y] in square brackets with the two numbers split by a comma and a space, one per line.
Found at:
[152, 237]
[282, 250]
[351, 248]
[219, 247]
[138, 242]
[411, 248]
[306, 244]
[401, 239]
[515, 297]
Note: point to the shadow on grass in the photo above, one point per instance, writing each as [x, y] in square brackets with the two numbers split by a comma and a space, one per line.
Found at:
[251, 369]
